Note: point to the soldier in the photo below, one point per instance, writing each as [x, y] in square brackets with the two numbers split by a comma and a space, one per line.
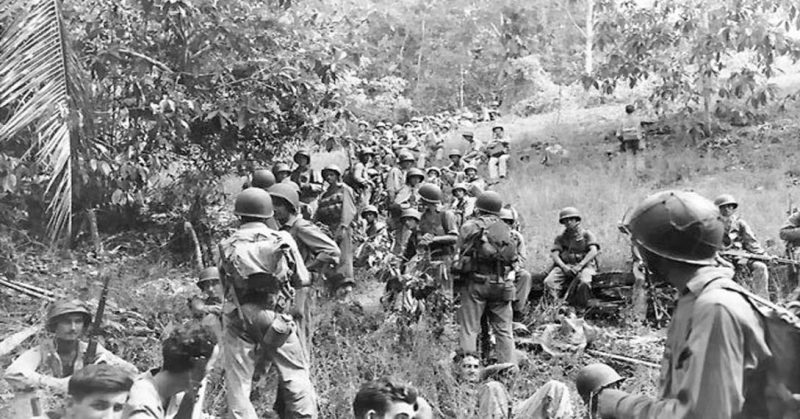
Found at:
[497, 150]
[454, 172]
[363, 185]
[463, 205]
[261, 178]
[437, 234]
[716, 361]
[374, 234]
[385, 400]
[631, 138]
[739, 236]
[319, 252]
[434, 176]
[476, 184]
[521, 276]
[475, 147]
[337, 209]
[283, 174]
[574, 256]
[171, 391]
[49, 365]
[378, 193]
[396, 178]
[408, 196]
[486, 256]
[260, 268]
[208, 307]
[97, 392]
[309, 181]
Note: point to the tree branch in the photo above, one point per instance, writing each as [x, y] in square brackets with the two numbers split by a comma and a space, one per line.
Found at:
[150, 60]
[574, 22]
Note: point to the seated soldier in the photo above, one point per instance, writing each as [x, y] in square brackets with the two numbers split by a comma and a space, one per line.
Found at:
[208, 307]
[574, 256]
[386, 400]
[170, 391]
[739, 236]
[475, 184]
[97, 392]
[790, 232]
[49, 365]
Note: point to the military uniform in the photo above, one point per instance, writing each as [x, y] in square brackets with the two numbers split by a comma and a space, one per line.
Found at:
[463, 208]
[487, 288]
[573, 246]
[497, 151]
[256, 265]
[337, 209]
[442, 225]
[522, 277]
[739, 236]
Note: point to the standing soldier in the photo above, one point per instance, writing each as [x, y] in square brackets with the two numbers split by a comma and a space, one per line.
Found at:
[308, 180]
[408, 196]
[396, 178]
[283, 174]
[337, 209]
[497, 150]
[319, 252]
[362, 184]
[476, 184]
[49, 365]
[261, 178]
[521, 276]
[574, 256]
[631, 138]
[260, 268]
[717, 362]
[739, 236]
[486, 256]
[463, 205]
[437, 234]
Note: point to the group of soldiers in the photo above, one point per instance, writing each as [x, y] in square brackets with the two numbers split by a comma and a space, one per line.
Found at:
[296, 241]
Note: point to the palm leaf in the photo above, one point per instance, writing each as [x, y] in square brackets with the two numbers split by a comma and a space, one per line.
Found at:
[40, 84]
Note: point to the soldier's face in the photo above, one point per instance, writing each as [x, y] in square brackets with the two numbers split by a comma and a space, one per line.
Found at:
[212, 289]
[498, 133]
[69, 326]
[98, 406]
[470, 369]
[455, 159]
[727, 210]
[302, 161]
[471, 174]
[282, 212]
[410, 223]
[280, 176]
[332, 178]
[458, 193]
[571, 223]
[414, 180]
[370, 217]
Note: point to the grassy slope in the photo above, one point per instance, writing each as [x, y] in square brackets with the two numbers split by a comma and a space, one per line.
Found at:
[354, 344]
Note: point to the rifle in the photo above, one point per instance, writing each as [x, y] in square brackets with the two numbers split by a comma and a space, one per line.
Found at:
[91, 349]
[762, 258]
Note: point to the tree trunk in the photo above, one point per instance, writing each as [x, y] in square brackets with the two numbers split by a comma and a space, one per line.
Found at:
[589, 63]
[98, 245]
[189, 228]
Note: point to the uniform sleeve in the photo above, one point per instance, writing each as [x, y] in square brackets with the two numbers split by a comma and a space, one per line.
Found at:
[104, 356]
[21, 374]
[450, 224]
[712, 385]
[321, 246]
[557, 246]
[360, 173]
[590, 239]
[348, 206]
[749, 241]
[468, 230]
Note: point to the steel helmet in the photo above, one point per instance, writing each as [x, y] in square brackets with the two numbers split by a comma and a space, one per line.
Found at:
[677, 225]
[280, 167]
[63, 307]
[593, 377]
[498, 126]
[468, 134]
[434, 169]
[725, 199]
[415, 172]
[397, 127]
[208, 274]
[430, 193]
[373, 172]
[367, 151]
[302, 153]
[568, 212]
[470, 167]
[506, 214]
[370, 209]
[462, 186]
[363, 122]
[405, 155]
[287, 192]
[411, 213]
[489, 202]
[253, 202]
[332, 168]
[262, 178]
[455, 152]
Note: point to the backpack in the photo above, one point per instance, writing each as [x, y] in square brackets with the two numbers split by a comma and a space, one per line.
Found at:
[496, 243]
[780, 394]
[259, 261]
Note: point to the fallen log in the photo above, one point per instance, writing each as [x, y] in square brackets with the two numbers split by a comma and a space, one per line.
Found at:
[26, 291]
[620, 358]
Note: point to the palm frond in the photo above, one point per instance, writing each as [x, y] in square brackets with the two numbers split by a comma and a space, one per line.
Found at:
[40, 83]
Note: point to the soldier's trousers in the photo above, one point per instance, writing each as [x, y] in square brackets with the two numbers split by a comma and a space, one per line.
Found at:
[498, 166]
[760, 273]
[495, 297]
[551, 401]
[345, 269]
[556, 279]
[296, 391]
[523, 285]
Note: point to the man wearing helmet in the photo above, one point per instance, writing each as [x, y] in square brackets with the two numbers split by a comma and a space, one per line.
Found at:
[497, 150]
[261, 178]
[396, 178]
[574, 254]
[484, 269]
[408, 195]
[336, 210]
[208, 307]
[373, 231]
[475, 184]
[260, 268]
[320, 253]
[520, 275]
[739, 236]
[49, 365]
[363, 186]
[716, 357]
[309, 181]
[454, 172]
[462, 205]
